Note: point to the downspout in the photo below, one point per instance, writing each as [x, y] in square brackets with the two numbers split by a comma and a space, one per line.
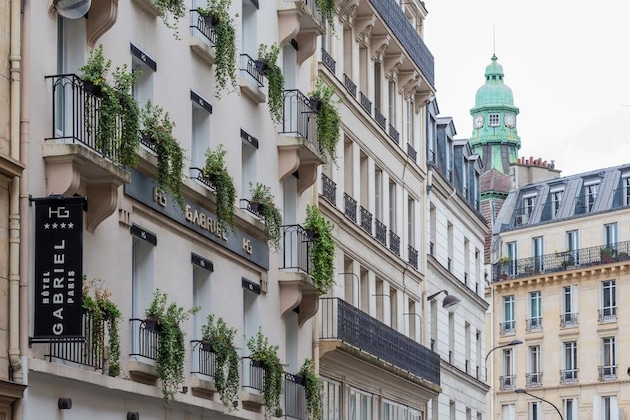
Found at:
[14, 191]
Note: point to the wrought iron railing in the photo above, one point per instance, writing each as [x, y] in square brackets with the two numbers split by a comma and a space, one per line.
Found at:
[568, 320]
[411, 152]
[328, 61]
[296, 245]
[607, 373]
[534, 380]
[342, 321]
[561, 261]
[253, 374]
[365, 103]
[507, 327]
[294, 398]
[248, 65]
[568, 376]
[201, 24]
[607, 314]
[393, 133]
[251, 207]
[394, 242]
[311, 7]
[507, 382]
[413, 256]
[350, 207]
[144, 341]
[351, 87]
[534, 324]
[77, 116]
[329, 190]
[86, 351]
[298, 118]
[203, 358]
[366, 219]
[380, 232]
[380, 119]
[148, 142]
[197, 173]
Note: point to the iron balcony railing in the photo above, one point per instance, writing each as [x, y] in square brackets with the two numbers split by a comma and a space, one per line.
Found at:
[251, 207]
[365, 103]
[294, 398]
[328, 61]
[380, 119]
[568, 376]
[413, 256]
[148, 142]
[248, 65]
[76, 116]
[607, 373]
[534, 324]
[350, 207]
[534, 380]
[507, 327]
[253, 374]
[329, 190]
[380, 232]
[197, 173]
[311, 6]
[507, 382]
[341, 321]
[411, 152]
[350, 86]
[568, 320]
[144, 340]
[86, 351]
[607, 314]
[561, 261]
[394, 242]
[203, 359]
[298, 118]
[200, 24]
[296, 245]
[393, 133]
[366, 219]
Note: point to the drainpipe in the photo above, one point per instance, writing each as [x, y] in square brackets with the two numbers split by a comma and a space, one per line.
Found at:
[14, 203]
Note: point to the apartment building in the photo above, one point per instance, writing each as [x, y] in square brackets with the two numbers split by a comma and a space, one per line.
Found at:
[374, 353]
[455, 271]
[559, 270]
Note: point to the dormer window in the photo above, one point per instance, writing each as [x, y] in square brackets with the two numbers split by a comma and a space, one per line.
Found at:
[590, 193]
[556, 201]
[493, 120]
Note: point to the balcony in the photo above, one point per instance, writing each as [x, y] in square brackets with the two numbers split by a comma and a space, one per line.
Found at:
[607, 314]
[568, 320]
[329, 190]
[300, 20]
[297, 289]
[350, 207]
[203, 38]
[251, 80]
[507, 382]
[568, 376]
[253, 380]
[350, 86]
[534, 324]
[366, 219]
[328, 61]
[562, 261]
[294, 398]
[534, 380]
[204, 366]
[344, 324]
[507, 327]
[411, 152]
[79, 160]
[607, 373]
[298, 149]
[394, 242]
[413, 256]
[144, 352]
[381, 232]
[366, 104]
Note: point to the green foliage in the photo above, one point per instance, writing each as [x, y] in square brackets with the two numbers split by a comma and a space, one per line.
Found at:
[328, 119]
[226, 377]
[261, 194]
[216, 171]
[158, 126]
[117, 127]
[171, 346]
[102, 310]
[267, 355]
[327, 7]
[225, 47]
[171, 11]
[313, 389]
[322, 252]
[269, 55]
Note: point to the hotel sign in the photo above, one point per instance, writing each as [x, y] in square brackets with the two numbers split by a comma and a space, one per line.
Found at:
[58, 267]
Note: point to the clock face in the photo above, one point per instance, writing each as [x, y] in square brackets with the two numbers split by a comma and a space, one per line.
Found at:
[510, 120]
[479, 121]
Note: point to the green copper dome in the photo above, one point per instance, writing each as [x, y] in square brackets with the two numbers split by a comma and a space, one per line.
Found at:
[494, 92]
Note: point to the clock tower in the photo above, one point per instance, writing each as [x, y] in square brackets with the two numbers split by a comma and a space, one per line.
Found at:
[495, 137]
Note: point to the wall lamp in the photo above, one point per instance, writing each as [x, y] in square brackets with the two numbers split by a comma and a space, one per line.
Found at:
[72, 9]
[522, 391]
[64, 403]
[450, 302]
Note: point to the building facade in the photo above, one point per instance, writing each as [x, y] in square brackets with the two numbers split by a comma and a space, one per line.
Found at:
[558, 274]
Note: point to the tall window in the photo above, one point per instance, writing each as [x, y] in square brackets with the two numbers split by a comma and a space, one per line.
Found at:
[626, 191]
[570, 409]
[378, 193]
[392, 206]
[609, 358]
[534, 377]
[331, 400]
[411, 221]
[360, 405]
[609, 301]
[508, 315]
[449, 238]
[391, 93]
[538, 253]
[556, 201]
[409, 121]
[535, 410]
[569, 362]
[508, 411]
[200, 136]
[377, 86]
[573, 245]
[590, 193]
[451, 337]
[528, 205]
[142, 283]
[610, 234]
[249, 167]
[534, 323]
[568, 317]
[606, 408]
[507, 381]
[512, 256]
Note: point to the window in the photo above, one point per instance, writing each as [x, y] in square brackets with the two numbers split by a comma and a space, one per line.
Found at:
[508, 412]
[395, 411]
[608, 369]
[568, 318]
[507, 380]
[360, 405]
[378, 193]
[493, 119]
[391, 89]
[608, 309]
[626, 191]
[508, 315]
[528, 206]
[200, 134]
[409, 121]
[392, 206]
[142, 282]
[605, 408]
[144, 69]
[201, 297]
[449, 233]
[331, 400]
[570, 409]
[569, 363]
[534, 323]
[433, 227]
[512, 256]
[590, 192]
[467, 346]
[534, 377]
[535, 410]
[70, 47]
[537, 244]
[556, 201]
[610, 234]
[573, 245]
[451, 409]
[411, 221]
[451, 337]
[249, 166]
[377, 85]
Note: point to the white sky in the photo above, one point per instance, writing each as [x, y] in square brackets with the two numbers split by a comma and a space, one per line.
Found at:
[567, 62]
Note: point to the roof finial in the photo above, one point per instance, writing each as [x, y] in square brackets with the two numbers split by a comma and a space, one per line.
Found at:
[494, 50]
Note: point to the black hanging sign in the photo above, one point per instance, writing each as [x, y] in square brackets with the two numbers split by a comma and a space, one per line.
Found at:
[58, 267]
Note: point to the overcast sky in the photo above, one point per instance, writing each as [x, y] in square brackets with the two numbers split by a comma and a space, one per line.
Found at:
[567, 62]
